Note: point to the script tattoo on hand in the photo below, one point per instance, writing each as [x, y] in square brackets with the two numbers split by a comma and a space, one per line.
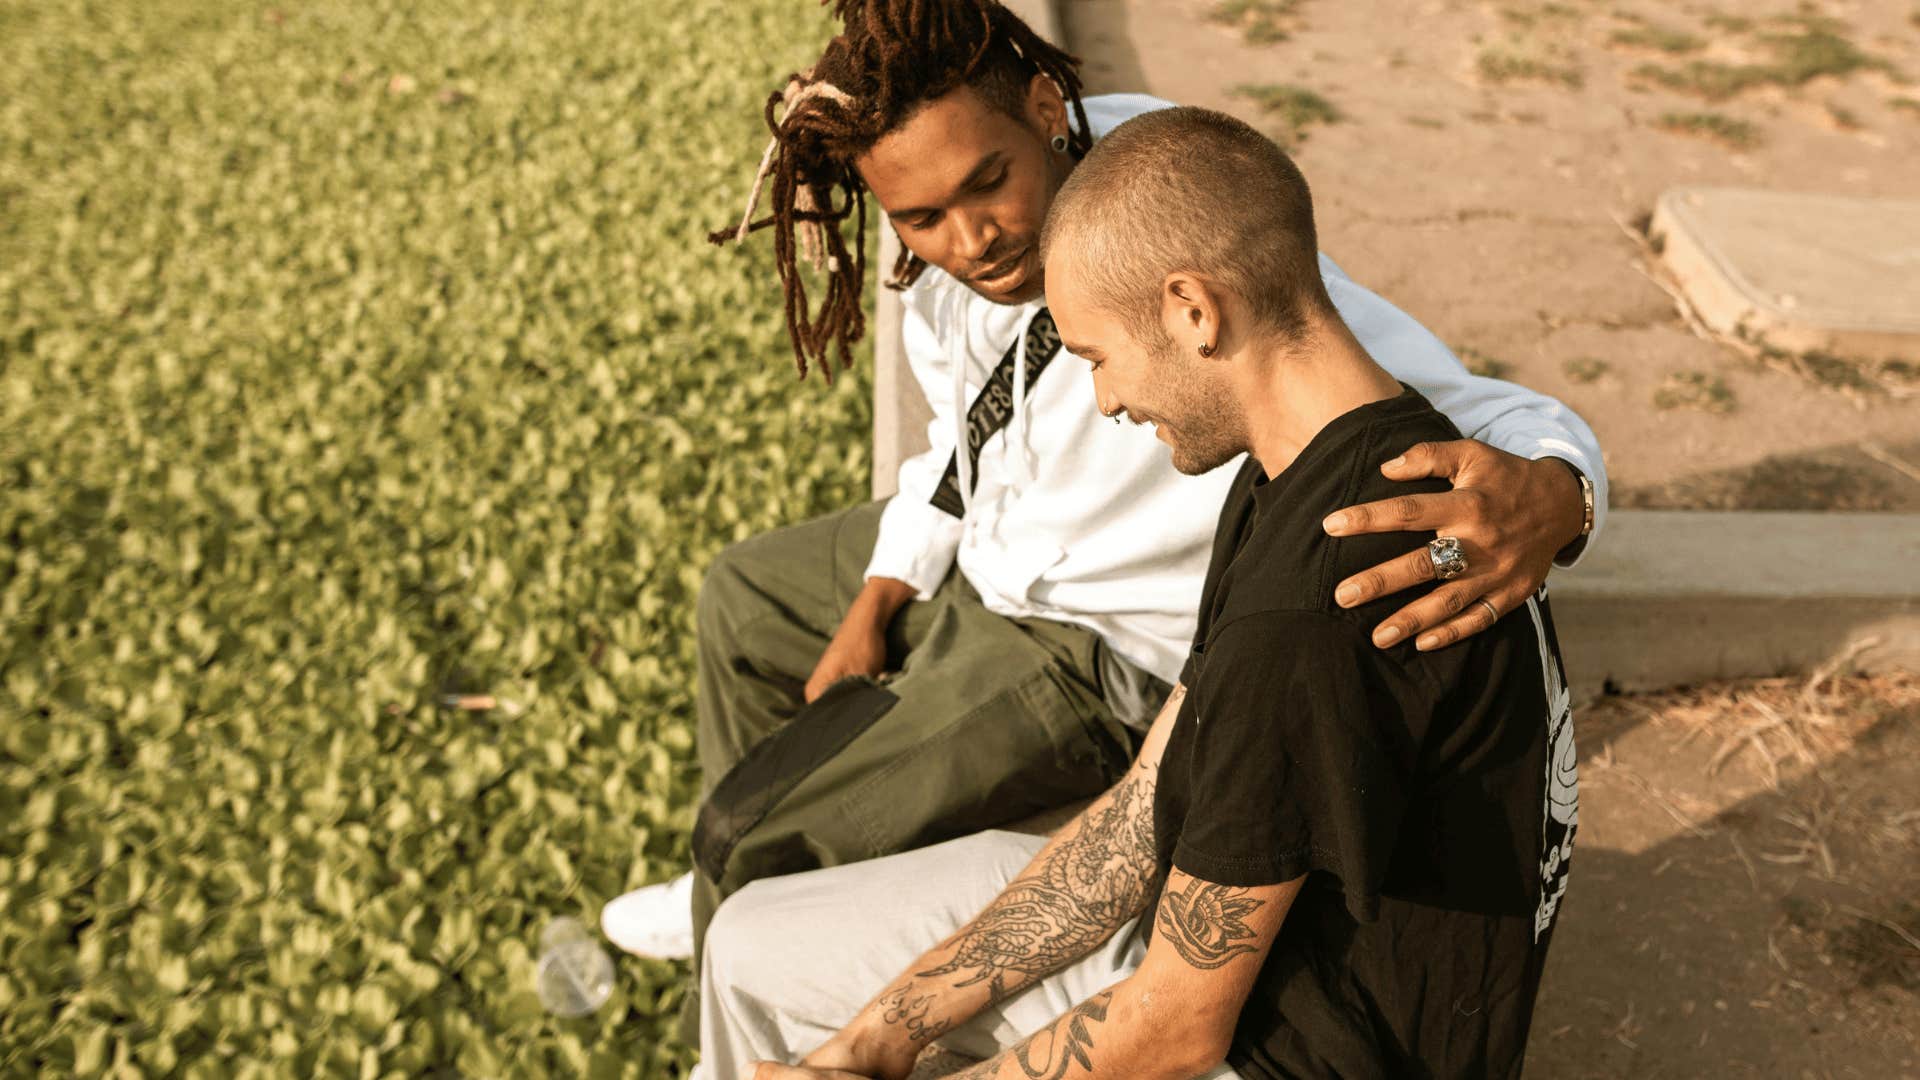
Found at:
[1086, 888]
[909, 1011]
[1206, 923]
[1054, 1049]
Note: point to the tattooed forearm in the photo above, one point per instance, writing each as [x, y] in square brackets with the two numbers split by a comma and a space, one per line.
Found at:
[1053, 1049]
[1206, 923]
[1098, 873]
[1085, 888]
[1047, 1055]
[1082, 888]
[902, 1008]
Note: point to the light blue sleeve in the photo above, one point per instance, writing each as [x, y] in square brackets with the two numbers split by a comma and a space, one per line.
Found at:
[1108, 111]
[1497, 412]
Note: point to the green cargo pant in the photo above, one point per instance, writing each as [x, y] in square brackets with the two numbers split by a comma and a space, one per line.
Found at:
[997, 719]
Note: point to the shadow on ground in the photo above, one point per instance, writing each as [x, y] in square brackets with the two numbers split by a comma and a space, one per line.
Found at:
[1849, 477]
[1776, 936]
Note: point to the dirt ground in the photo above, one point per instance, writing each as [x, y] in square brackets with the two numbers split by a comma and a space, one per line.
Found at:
[1743, 901]
[1486, 165]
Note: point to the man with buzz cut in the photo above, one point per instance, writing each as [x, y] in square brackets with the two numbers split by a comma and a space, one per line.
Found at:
[992, 641]
[1353, 855]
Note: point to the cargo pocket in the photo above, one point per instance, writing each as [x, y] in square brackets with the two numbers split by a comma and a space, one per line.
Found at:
[776, 765]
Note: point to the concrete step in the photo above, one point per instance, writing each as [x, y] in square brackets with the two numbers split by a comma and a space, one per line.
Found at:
[1672, 597]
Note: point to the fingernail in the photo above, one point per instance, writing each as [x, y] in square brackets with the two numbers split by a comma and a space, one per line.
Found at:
[1386, 636]
[1347, 595]
[1429, 642]
[1334, 523]
[1396, 462]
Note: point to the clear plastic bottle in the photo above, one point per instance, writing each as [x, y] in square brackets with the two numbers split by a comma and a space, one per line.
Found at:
[575, 975]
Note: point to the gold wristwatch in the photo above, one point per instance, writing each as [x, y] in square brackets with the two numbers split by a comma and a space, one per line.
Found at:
[1572, 551]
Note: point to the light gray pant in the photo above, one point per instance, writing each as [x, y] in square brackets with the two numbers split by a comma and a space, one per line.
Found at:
[790, 960]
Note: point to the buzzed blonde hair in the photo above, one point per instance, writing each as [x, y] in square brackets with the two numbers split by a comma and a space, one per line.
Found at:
[1190, 189]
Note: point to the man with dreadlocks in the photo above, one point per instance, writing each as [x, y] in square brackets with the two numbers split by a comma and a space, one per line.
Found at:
[992, 641]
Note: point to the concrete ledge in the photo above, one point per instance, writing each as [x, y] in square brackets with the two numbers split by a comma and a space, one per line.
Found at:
[1671, 597]
[900, 411]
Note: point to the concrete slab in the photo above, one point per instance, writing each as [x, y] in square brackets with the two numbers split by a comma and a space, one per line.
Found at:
[1671, 597]
[1800, 272]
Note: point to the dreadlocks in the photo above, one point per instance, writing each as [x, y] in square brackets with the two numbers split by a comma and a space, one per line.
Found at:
[893, 57]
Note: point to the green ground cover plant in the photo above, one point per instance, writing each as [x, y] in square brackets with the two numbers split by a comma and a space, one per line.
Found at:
[1663, 38]
[1801, 48]
[1585, 369]
[1861, 377]
[1505, 65]
[1843, 118]
[1729, 131]
[1294, 106]
[1482, 364]
[1527, 17]
[1707, 79]
[353, 353]
[1260, 22]
[1694, 390]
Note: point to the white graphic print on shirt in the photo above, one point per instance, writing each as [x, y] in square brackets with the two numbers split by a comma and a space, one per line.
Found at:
[1563, 778]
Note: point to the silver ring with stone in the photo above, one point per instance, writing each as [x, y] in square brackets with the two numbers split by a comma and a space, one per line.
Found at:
[1449, 561]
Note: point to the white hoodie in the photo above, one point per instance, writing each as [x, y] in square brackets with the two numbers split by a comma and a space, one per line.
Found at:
[1077, 519]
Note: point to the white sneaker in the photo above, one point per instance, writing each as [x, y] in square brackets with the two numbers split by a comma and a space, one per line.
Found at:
[655, 921]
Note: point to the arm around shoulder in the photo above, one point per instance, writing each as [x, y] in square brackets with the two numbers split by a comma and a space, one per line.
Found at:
[1509, 417]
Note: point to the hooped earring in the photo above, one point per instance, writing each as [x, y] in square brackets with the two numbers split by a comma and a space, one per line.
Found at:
[1059, 144]
[1205, 349]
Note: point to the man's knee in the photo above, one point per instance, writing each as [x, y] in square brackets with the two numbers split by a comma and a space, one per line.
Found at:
[744, 933]
[790, 944]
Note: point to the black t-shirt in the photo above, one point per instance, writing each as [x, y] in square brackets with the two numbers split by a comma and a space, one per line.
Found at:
[1428, 798]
